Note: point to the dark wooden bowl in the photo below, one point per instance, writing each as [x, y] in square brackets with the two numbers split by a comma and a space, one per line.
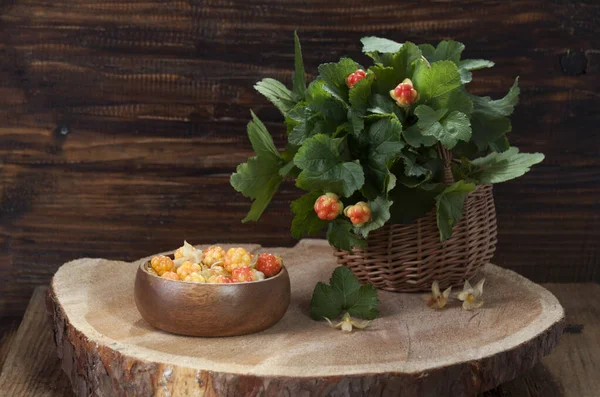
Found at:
[196, 309]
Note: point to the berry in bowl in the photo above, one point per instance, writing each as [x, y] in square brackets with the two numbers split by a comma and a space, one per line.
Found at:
[212, 292]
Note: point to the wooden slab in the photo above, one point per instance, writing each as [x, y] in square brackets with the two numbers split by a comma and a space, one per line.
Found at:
[555, 376]
[107, 348]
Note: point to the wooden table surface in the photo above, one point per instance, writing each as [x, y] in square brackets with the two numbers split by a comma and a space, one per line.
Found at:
[29, 366]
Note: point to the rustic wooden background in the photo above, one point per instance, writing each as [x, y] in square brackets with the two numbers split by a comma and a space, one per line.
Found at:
[121, 121]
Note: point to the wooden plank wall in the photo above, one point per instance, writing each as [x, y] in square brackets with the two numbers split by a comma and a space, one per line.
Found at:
[121, 121]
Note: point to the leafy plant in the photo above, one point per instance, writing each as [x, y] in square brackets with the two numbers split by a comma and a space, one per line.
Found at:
[376, 137]
[344, 294]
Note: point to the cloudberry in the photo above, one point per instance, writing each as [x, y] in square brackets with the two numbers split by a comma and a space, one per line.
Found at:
[359, 213]
[236, 257]
[162, 264]
[355, 77]
[404, 94]
[268, 264]
[195, 278]
[328, 206]
[186, 268]
[242, 274]
[220, 279]
[170, 275]
[212, 255]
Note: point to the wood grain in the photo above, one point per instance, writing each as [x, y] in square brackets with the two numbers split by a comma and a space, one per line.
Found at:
[410, 350]
[32, 368]
[8, 331]
[544, 380]
[573, 368]
[120, 122]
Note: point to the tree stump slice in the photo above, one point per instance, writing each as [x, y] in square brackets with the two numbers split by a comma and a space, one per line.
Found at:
[106, 347]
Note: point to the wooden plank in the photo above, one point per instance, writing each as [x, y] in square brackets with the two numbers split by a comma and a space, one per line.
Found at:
[8, 331]
[154, 98]
[31, 367]
[576, 361]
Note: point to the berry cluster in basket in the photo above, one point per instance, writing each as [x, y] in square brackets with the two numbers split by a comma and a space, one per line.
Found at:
[215, 265]
[329, 206]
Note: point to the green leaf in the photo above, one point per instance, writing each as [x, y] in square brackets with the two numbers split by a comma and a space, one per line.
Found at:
[383, 105]
[436, 82]
[489, 119]
[448, 130]
[344, 294]
[467, 65]
[297, 113]
[500, 145]
[403, 62]
[390, 183]
[259, 178]
[446, 50]
[346, 285]
[412, 203]
[366, 303]
[383, 142]
[320, 100]
[261, 140]
[340, 235]
[310, 125]
[325, 302]
[391, 69]
[416, 139]
[380, 213]
[457, 100]
[428, 116]
[488, 129]
[465, 76]
[306, 221]
[450, 205]
[457, 127]
[334, 76]
[501, 167]
[299, 86]
[499, 107]
[357, 122]
[475, 64]
[359, 99]
[414, 172]
[379, 44]
[324, 165]
[385, 79]
[427, 50]
[288, 170]
[277, 93]
[465, 149]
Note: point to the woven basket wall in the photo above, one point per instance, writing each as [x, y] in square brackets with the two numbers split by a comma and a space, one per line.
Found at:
[408, 258]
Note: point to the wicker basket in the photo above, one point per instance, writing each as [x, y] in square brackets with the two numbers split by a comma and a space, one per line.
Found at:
[408, 258]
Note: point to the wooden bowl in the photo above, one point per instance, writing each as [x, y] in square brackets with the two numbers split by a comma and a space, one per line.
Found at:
[197, 309]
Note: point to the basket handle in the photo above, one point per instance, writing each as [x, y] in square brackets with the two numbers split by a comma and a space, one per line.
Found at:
[446, 156]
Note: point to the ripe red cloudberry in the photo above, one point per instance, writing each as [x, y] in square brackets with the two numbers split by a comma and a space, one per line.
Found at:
[355, 77]
[404, 94]
[328, 206]
[268, 264]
